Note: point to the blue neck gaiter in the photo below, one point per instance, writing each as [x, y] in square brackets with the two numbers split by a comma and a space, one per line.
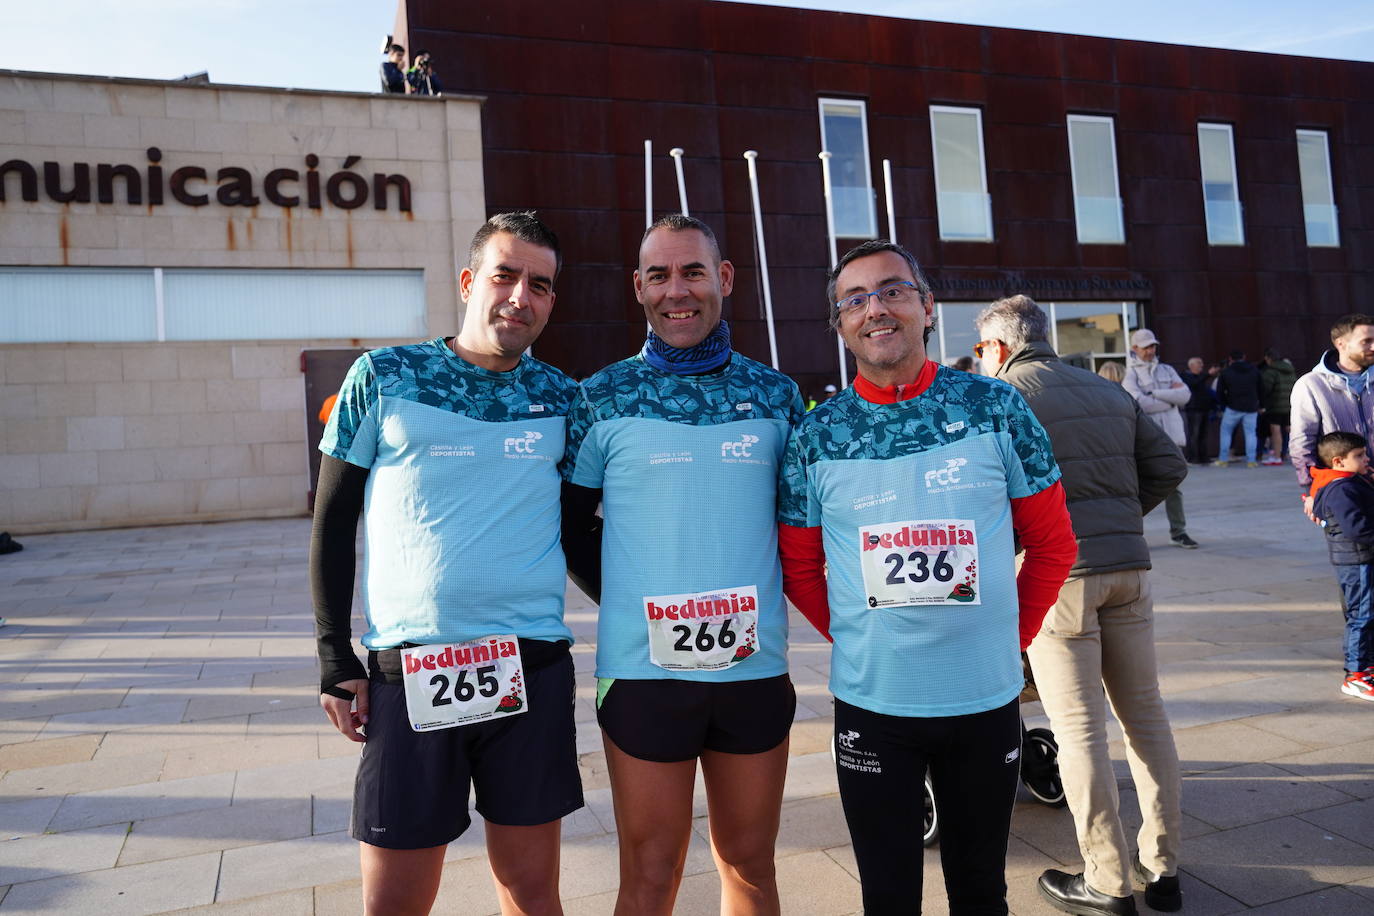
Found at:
[707, 356]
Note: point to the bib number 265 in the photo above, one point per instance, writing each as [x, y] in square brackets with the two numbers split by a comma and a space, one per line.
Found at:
[463, 689]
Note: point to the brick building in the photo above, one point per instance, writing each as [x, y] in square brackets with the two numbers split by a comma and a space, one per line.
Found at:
[1224, 197]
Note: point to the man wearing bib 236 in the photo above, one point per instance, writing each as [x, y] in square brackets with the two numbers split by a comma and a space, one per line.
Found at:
[449, 451]
[682, 445]
[913, 485]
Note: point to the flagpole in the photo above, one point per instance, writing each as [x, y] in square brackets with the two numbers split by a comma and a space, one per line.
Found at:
[752, 156]
[834, 255]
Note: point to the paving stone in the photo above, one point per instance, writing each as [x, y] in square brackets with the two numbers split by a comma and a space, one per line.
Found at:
[169, 739]
[218, 828]
[1342, 720]
[1275, 860]
[25, 818]
[88, 776]
[813, 823]
[107, 720]
[1252, 793]
[1352, 820]
[50, 752]
[294, 780]
[1346, 767]
[1331, 901]
[140, 802]
[1224, 744]
[37, 857]
[287, 903]
[239, 754]
[133, 891]
[254, 870]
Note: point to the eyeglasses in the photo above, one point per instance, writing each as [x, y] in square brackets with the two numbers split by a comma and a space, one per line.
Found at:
[902, 292]
[983, 345]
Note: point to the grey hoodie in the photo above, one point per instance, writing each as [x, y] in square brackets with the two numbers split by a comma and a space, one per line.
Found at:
[1326, 400]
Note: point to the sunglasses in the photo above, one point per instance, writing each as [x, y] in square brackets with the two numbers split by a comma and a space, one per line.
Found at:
[982, 345]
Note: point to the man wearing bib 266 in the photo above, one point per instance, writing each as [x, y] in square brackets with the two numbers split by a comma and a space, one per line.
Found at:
[913, 485]
[449, 450]
[682, 444]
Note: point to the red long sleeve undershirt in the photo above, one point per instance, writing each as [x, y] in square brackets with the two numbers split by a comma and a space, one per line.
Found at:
[1041, 522]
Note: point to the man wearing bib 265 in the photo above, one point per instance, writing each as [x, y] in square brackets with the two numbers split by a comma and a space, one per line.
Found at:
[449, 450]
[913, 485]
[682, 444]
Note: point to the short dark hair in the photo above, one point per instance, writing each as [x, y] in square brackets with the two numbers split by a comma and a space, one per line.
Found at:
[395, 48]
[1347, 323]
[678, 222]
[1237, 356]
[1338, 445]
[872, 247]
[525, 226]
[422, 52]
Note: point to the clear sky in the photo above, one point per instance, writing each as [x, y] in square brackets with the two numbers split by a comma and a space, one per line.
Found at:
[333, 44]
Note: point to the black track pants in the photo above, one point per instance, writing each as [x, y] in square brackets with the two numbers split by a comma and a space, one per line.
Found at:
[975, 764]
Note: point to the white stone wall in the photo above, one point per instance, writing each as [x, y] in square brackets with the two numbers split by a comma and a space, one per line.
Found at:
[119, 434]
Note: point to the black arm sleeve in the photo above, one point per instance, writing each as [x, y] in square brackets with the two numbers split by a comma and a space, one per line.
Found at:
[333, 560]
[582, 538]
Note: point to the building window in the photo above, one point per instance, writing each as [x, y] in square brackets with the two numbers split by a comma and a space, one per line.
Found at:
[1220, 191]
[961, 183]
[1318, 198]
[81, 304]
[844, 134]
[1096, 194]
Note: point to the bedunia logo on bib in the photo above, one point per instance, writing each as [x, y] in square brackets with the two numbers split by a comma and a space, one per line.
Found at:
[925, 561]
[703, 631]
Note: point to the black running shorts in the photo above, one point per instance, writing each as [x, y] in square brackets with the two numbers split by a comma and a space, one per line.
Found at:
[412, 787]
[670, 720]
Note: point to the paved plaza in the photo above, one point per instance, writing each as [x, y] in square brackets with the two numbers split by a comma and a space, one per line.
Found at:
[163, 749]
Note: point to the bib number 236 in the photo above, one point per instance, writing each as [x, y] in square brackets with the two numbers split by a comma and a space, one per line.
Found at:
[703, 631]
[463, 683]
[932, 561]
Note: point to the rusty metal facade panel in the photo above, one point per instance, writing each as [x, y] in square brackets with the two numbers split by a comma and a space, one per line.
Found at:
[574, 90]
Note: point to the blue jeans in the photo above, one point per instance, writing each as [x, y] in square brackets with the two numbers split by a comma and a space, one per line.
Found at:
[1229, 419]
[1357, 585]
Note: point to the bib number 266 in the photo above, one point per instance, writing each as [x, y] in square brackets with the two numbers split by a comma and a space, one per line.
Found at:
[703, 631]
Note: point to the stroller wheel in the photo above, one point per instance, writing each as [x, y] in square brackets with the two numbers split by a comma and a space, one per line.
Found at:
[1040, 767]
[932, 818]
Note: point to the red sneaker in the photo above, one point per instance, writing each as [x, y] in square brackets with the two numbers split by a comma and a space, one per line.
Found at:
[1358, 684]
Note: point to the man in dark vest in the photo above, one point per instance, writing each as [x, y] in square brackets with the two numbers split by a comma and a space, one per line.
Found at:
[1117, 465]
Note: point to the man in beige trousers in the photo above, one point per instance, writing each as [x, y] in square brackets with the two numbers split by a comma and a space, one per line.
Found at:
[1117, 465]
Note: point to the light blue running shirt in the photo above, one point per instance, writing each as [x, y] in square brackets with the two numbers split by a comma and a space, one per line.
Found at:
[688, 467]
[461, 511]
[913, 500]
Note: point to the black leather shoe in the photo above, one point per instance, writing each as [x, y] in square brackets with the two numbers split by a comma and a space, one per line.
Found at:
[1071, 894]
[1161, 891]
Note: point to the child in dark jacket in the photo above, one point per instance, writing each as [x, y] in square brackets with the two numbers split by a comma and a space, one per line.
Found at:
[1343, 502]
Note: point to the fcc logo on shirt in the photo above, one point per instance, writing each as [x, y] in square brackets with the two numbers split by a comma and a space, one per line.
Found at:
[946, 476]
[523, 446]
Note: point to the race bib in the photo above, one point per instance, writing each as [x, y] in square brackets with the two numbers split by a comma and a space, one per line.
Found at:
[932, 561]
[703, 631]
[463, 683]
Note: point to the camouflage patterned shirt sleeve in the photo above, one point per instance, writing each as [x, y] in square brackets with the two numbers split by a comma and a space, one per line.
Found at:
[582, 463]
[351, 434]
[794, 497]
[1031, 468]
